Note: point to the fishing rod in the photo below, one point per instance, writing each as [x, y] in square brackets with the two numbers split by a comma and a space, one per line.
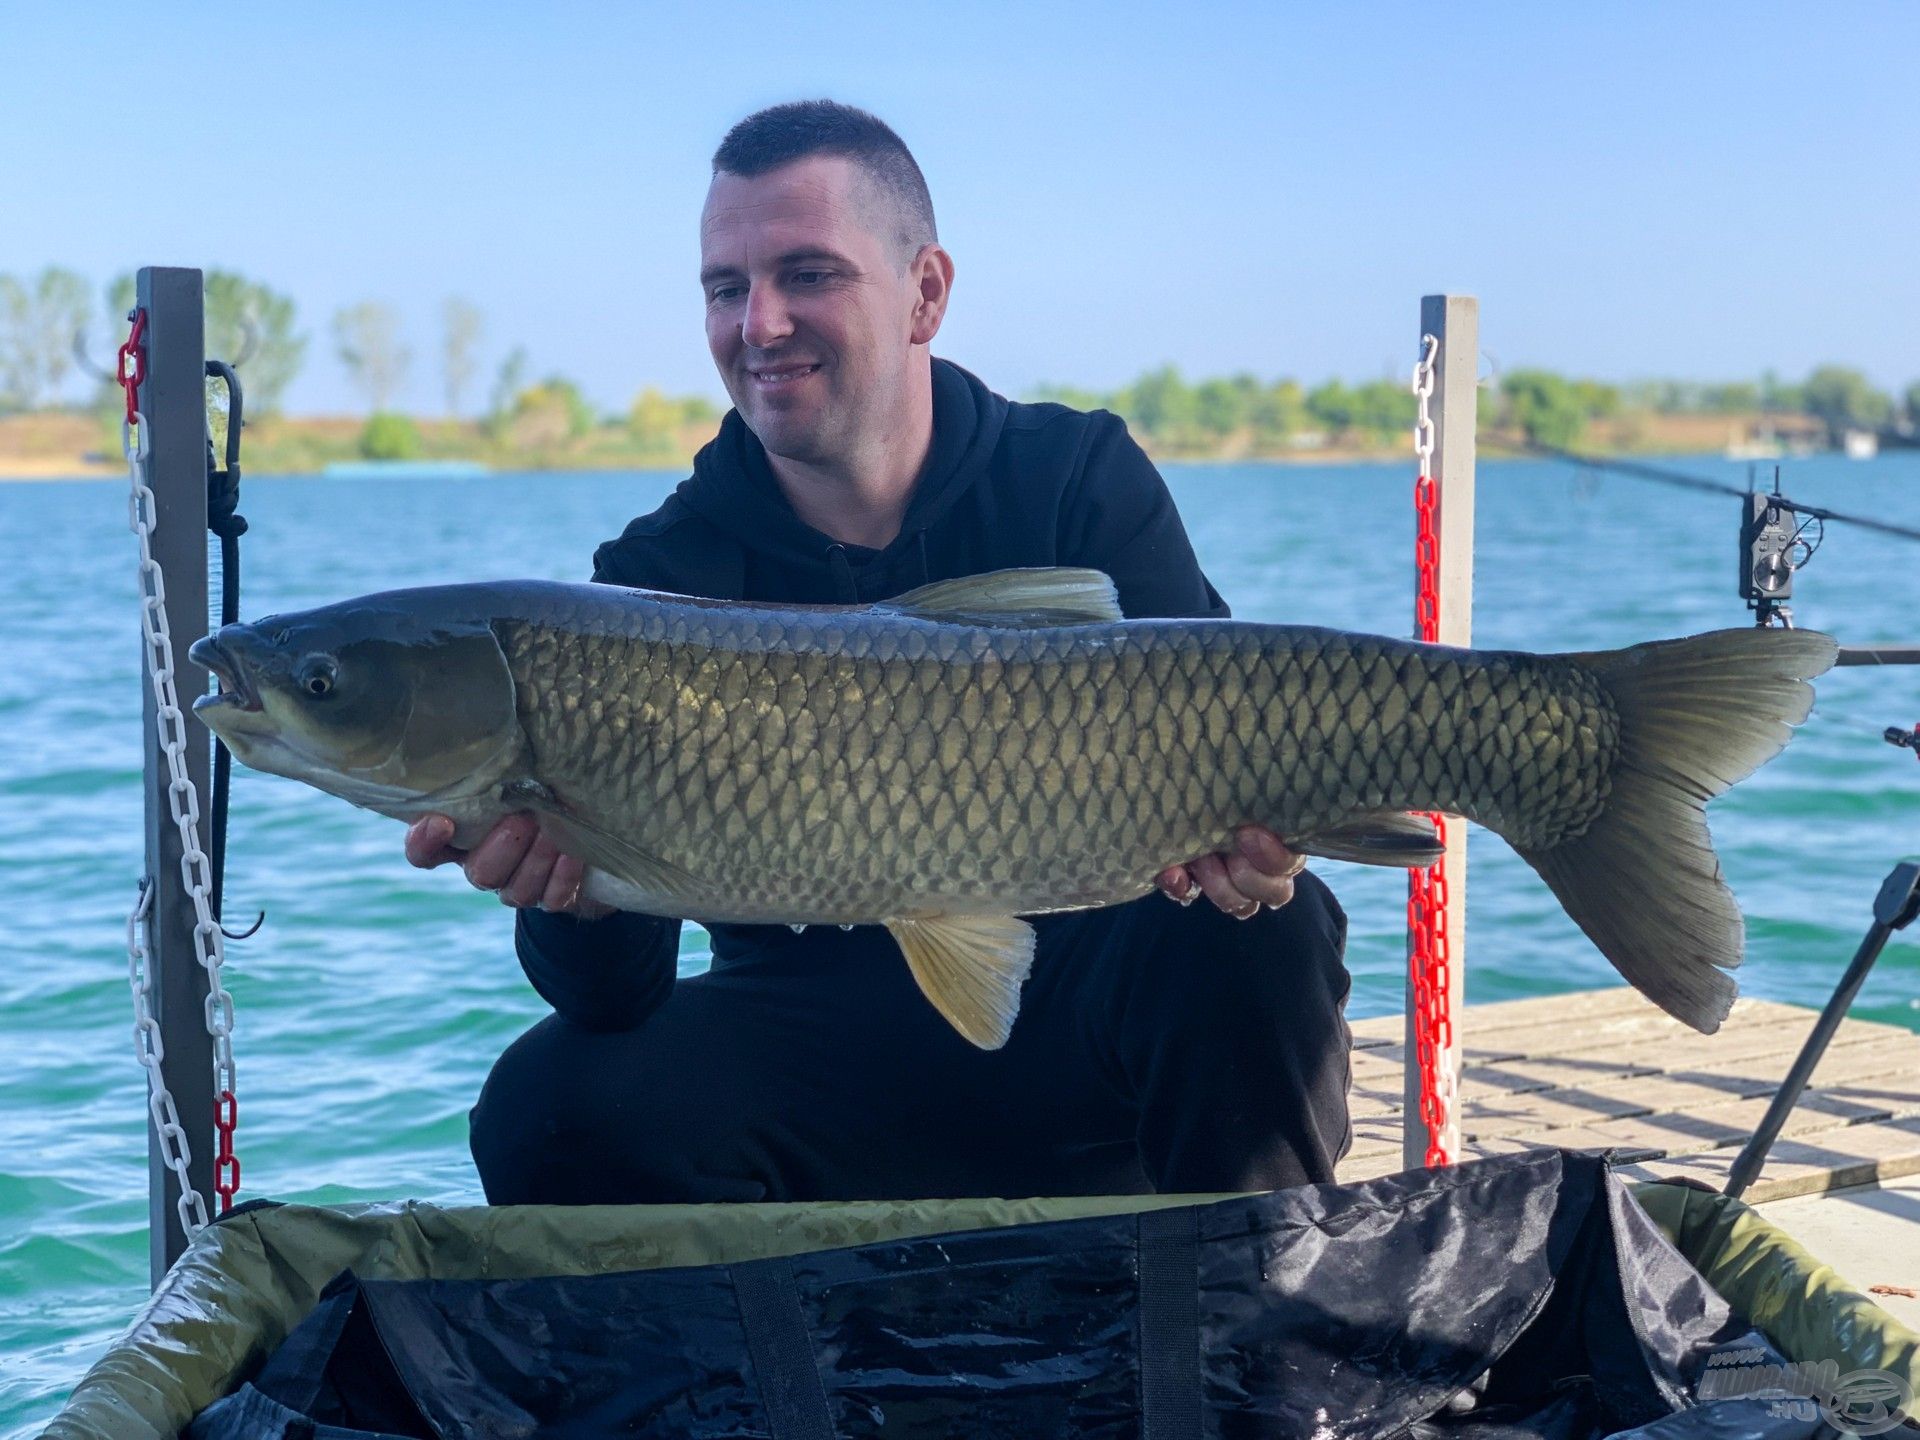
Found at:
[1778, 536]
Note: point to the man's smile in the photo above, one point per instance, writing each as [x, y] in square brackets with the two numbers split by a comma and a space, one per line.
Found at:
[772, 378]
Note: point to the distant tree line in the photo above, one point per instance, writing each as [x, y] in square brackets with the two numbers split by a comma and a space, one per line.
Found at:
[1244, 413]
[45, 320]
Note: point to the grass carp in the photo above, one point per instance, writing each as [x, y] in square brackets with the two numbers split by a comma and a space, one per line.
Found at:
[1006, 744]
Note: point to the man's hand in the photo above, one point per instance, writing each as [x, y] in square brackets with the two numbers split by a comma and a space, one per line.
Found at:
[1258, 871]
[514, 860]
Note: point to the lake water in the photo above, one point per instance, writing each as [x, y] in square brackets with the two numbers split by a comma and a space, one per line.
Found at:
[374, 999]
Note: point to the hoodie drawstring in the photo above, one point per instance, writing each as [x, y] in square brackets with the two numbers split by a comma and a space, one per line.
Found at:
[842, 568]
[926, 573]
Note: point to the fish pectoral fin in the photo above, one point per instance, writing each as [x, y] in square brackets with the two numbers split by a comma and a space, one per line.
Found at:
[971, 967]
[1019, 599]
[1378, 837]
[664, 882]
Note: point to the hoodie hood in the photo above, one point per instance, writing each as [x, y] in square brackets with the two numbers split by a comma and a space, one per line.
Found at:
[733, 488]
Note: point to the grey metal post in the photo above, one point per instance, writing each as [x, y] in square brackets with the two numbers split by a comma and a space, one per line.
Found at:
[172, 401]
[1454, 320]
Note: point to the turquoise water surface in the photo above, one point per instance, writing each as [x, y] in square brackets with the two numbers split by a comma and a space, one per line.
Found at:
[375, 997]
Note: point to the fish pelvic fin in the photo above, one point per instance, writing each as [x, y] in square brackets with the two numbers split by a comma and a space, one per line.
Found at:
[655, 880]
[971, 968]
[1377, 837]
[1643, 882]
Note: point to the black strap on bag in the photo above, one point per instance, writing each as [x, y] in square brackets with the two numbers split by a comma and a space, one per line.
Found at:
[782, 1351]
[1169, 1265]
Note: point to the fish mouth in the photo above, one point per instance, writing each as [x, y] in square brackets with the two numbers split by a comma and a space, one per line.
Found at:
[236, 691]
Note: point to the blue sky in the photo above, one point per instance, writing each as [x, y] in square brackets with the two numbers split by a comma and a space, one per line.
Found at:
[1705, 190]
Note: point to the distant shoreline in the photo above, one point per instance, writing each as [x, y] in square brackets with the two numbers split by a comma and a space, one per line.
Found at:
[61, 446]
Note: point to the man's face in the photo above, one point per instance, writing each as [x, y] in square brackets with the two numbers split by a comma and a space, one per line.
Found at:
[812, 312]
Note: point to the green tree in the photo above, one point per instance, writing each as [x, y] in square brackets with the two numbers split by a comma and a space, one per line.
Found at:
[1545, 407]
[1843, 400]
[1332, 407]
[697, 410]
[507, 383]
[1913, 405]
[1163, 404]
[39, 320]
[1277, 412]
[460, 327]
[1596, 401]
[550, 413]
[655, 422]
[367, 338]
[1736, 397]
[1073, 397]
[388, 436]
[1220, 406]
[1385, 410]
[1774, 396]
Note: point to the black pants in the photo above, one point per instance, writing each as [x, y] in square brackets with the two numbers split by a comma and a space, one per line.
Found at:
[1157, 1048]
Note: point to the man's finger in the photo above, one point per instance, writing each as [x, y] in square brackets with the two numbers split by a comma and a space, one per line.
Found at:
[1268, 852]
[492, 862]
[1255, 884]
[528, 883]
[1179, 883]
[563, 884]
[428, 842]
[1211, 872]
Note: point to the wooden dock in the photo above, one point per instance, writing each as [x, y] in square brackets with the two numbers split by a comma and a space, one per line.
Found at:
[1603, 1069]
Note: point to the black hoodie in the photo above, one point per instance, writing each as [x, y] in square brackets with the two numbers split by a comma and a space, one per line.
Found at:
[1005, 485]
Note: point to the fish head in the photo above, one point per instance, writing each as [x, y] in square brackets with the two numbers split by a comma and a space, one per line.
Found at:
[366, 701]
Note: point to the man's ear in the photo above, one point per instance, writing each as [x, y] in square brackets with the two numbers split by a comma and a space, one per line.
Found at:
[932, 273]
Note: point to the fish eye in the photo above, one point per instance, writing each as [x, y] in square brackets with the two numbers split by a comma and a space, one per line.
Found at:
[316, 676]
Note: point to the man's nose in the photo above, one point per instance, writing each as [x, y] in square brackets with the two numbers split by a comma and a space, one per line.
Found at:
[766, 321]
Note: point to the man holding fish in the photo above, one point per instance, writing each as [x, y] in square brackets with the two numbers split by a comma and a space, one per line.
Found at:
[1192, 1047]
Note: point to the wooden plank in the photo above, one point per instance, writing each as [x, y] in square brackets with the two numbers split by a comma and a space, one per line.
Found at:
[1518, 1014]
[1894, 1061]
[1729, 1124]
[1581, 1035]
[1882, 1151]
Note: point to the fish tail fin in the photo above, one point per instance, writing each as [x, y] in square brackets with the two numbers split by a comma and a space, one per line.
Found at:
[1643, 882]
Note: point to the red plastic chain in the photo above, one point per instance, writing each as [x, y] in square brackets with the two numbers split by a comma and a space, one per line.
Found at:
[226, 1164]
[131, 368]
[1427, 889]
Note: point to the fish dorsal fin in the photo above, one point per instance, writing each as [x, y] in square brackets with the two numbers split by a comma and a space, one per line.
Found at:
[1018, 599]
[971, 967]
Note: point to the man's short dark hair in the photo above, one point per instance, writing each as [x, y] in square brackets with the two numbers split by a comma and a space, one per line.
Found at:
[782, 134]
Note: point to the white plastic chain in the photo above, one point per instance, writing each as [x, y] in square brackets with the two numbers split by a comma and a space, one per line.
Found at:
[196, 871]
[1423, 379]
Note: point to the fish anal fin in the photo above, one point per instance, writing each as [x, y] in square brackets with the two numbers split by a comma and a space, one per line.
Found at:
[1377, 837]
[971, 968]
[1018, 599]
